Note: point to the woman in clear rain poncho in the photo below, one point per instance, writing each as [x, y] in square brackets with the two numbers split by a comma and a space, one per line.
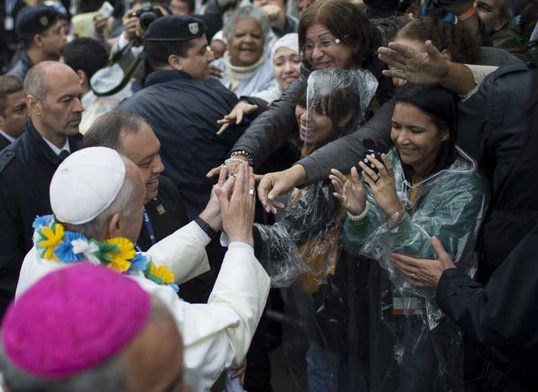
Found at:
[424, 187]
[304, 245]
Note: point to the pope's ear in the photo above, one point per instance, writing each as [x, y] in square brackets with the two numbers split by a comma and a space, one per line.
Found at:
[114, 226]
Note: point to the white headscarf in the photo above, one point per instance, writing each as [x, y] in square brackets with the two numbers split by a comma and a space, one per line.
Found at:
[290, 40]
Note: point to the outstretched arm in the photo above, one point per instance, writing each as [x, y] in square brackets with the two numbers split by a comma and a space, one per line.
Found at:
[429, 67]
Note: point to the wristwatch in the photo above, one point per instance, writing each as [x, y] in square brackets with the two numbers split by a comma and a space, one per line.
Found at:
[205, 227]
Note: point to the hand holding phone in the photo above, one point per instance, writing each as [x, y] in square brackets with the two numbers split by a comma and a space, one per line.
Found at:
[106, 10]
[376, 148]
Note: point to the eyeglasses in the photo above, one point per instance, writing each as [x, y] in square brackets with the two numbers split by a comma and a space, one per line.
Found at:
[322, 45]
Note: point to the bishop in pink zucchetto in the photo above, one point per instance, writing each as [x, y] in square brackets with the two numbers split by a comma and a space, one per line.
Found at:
[88, 328]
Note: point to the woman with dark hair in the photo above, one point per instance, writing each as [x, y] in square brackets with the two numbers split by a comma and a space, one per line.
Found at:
[343, 152]
[332, 33]
[303, 246]
[424, 187]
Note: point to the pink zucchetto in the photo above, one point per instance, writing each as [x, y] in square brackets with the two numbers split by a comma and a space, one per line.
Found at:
[73, 320]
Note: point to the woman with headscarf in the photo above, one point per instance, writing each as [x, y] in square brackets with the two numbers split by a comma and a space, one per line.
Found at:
[286, 62]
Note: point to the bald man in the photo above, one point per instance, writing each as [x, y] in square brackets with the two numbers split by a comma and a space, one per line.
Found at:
[52, 92]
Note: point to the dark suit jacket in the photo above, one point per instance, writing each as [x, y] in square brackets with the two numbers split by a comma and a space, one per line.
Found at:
[26, 169]
[3, 142]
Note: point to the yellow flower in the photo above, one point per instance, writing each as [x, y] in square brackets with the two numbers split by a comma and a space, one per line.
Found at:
[162, 272]
[53, 239]
[121, 259]
[119, 265]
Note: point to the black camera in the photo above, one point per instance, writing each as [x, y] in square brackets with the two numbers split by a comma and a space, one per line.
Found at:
[376, 148]
[147, 14]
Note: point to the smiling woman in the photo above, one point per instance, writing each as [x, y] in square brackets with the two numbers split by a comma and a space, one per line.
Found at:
[246, 67]
[424, 187]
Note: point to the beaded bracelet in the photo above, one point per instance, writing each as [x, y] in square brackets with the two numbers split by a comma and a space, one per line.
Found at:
[359, 218]
[245, 154]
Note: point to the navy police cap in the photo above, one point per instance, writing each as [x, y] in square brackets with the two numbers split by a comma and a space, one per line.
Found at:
[35, 20]
[175, 28]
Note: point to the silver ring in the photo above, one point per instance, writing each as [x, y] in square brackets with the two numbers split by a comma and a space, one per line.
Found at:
[412, 276]
[377, 179]
[251, 192]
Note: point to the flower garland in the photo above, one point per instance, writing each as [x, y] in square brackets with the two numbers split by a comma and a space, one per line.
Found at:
[53, 242]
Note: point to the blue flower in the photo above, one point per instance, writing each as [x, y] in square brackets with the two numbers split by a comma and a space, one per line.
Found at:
[41, 221]
[64, 251]
[139, 262]
[174, 287]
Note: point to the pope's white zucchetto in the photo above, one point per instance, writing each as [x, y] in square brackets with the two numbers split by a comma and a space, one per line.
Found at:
[85, 184]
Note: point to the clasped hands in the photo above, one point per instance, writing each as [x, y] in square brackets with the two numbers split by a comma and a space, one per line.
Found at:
[231, 206]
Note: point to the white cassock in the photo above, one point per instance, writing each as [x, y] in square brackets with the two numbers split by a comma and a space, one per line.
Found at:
[215, 335]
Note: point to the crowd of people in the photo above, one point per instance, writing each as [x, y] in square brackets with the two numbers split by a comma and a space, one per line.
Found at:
[186, 185]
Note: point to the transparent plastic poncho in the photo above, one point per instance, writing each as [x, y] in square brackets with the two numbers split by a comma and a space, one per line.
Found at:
[302, 250]
[306, 241]
[413, 346]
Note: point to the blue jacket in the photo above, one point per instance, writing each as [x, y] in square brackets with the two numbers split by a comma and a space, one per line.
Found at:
[183, 112]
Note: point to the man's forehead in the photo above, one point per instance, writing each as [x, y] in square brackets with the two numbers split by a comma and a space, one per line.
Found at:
[61, 81]
[200, 42]
[141, 143]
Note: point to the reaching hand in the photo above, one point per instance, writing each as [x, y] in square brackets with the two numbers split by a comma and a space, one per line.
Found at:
[211, 213]
[424, 272]
[275, 184]
[99, 24]
[382, 185]
[275, 16]
[237, 209]
[230, 164]
[215, 71]
[349, 192]
[240, 110]
[429, 67]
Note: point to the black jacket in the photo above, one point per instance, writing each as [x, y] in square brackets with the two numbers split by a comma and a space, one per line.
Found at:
[26, 169]
[3, 142]
[183, 112]
[502, 315]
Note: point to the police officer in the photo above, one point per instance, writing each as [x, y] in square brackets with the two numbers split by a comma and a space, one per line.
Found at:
[182, 104]
[42, 35]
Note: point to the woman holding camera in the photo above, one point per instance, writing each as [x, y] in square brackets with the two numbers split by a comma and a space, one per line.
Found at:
[424, 187]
